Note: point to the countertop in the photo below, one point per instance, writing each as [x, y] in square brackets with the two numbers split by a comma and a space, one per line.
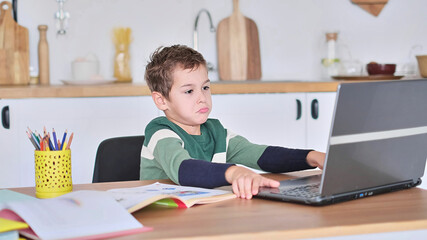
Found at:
[141, 89]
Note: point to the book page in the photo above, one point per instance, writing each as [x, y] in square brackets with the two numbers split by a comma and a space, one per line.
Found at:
[7, 195]
[73, 215]
[130, 197]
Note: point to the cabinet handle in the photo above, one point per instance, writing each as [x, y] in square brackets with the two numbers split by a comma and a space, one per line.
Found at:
[5, 119]
[315, 109]
[299, 109]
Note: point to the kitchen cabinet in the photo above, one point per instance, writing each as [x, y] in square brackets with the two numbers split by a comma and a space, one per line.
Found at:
[262, 118]
[296, 120]
[10, 167]
[319, 109]
[91, 119]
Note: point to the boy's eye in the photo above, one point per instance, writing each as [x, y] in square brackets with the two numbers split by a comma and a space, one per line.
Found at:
[206, 88]
[188, 91]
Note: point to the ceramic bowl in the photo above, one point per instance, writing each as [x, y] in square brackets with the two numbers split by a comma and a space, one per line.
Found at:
[380, 69]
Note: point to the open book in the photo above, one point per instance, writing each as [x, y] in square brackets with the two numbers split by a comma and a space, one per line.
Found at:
[76, 215]
[136, 198]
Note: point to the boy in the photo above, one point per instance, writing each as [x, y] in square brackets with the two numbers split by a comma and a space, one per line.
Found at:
[191, 149]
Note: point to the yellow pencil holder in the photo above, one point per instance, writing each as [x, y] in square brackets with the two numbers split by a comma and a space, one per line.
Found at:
[53, 173]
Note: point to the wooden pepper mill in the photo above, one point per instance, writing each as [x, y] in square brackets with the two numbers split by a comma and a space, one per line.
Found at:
[43, 56]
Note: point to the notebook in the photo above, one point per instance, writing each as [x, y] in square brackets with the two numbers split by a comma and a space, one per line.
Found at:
[377, 144]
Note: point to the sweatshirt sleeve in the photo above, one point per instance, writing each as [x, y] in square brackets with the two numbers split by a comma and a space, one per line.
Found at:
[199, 173]
[175, 161]
[280, 159]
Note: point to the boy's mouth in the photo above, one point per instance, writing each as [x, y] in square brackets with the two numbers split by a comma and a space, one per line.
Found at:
[203, 110]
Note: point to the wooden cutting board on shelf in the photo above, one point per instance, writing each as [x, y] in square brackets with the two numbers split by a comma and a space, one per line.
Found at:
[14, 49]
[374, 7]
[238, 47]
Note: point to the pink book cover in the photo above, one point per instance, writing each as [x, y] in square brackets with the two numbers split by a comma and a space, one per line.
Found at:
[8, 214]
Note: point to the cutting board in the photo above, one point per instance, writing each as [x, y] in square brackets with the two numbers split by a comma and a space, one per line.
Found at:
[238, 47]
[14, 49]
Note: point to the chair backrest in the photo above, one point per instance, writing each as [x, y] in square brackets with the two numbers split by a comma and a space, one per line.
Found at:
[118, 159]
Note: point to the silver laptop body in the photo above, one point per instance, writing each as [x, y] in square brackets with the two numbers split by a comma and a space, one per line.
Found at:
[377, 144]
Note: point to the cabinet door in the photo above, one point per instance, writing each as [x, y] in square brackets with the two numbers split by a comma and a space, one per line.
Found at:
[270, 119]
[10, 137]
[319, 111]
[90, 119]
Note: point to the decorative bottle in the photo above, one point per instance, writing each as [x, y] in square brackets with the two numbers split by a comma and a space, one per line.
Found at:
[330, 60]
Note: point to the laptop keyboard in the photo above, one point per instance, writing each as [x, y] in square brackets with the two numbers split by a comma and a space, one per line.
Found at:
[306, 191]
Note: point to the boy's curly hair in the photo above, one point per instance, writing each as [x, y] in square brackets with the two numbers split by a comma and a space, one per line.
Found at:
[159, 70]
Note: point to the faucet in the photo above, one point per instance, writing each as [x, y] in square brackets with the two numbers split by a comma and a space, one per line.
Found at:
[196, 34]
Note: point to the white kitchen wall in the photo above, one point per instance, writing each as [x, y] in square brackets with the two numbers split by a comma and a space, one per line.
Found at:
[291, 31]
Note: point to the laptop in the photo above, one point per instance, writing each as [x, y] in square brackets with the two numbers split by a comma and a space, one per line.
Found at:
[377, 144]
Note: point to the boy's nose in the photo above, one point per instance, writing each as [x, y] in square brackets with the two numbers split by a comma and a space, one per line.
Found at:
[202, 97]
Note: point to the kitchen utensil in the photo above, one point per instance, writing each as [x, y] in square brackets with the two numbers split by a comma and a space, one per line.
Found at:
[374, 7]
[422, 64]
[383, 69]
[14, 49]
[43, 51]
[238, 47]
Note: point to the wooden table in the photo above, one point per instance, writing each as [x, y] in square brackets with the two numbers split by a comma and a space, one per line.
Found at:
[264, 219]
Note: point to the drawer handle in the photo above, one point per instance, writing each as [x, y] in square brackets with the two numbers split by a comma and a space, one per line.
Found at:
[299, 109]
[315, 109]
[5, 119]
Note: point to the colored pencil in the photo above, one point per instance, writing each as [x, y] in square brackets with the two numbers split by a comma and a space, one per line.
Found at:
[55, 141]
[34, 136]
[63, 140]
[38, 136]
[50, 142]
[69, 141]
[32, 141]
[41, 146]
[46, 143]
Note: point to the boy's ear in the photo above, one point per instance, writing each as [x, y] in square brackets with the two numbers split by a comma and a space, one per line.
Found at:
[159, 100]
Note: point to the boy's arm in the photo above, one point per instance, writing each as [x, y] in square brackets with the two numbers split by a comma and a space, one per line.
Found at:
[280, 159]
[177, 164]
[199, 173]
[245, 183]
[270, 158]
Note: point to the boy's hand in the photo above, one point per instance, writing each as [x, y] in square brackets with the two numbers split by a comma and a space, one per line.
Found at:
[246, 183]
[316, 159]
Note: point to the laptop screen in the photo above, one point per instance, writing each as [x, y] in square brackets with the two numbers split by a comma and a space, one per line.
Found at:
[378, 135]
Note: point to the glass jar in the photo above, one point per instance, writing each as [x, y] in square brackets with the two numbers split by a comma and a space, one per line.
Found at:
[330, 60]
[121, 64]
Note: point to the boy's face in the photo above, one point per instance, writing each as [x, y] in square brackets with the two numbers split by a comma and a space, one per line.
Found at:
[190, 99]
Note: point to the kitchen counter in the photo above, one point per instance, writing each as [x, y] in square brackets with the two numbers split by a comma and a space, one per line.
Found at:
[140, 89]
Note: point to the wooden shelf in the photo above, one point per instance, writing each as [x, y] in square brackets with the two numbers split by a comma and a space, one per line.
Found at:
[139, 89]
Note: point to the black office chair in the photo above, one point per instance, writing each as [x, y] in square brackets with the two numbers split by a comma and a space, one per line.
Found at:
[118, 159]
